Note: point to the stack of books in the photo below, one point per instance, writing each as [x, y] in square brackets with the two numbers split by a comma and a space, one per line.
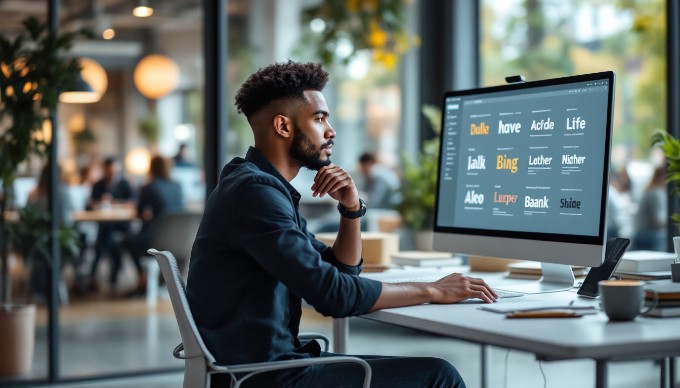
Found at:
[425, 259]
[645, 265]
[532, 270]
[668, 299]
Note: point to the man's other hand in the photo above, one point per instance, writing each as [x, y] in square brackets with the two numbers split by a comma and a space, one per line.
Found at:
[457, 287]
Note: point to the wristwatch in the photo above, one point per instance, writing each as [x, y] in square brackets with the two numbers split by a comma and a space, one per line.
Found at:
[352, 214]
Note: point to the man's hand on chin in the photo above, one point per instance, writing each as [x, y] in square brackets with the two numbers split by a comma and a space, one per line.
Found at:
[336, 182]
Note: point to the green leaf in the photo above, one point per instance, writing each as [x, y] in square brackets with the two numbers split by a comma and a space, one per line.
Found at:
[46, 63]
[419, 178]
[671, 149]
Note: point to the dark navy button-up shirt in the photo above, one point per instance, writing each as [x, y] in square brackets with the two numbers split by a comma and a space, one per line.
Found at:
[252, 263]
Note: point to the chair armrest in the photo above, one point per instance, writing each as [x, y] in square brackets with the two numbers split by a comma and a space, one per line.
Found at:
[260, 367]
[315, 336]
[177, 353]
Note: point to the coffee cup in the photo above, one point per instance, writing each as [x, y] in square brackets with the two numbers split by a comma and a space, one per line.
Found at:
[675, 267]
[622, 299]
[675, 272]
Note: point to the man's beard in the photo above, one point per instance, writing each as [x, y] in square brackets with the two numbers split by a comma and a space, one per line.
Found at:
[304, 151]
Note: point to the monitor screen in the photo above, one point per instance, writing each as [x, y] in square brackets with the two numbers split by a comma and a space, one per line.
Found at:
[523, 170]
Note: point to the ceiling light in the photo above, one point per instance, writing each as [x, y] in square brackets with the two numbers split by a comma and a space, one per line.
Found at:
[94, 74]
[137, 161]
[142, 10]
[109, 33]
[156, 76]
[79, 92]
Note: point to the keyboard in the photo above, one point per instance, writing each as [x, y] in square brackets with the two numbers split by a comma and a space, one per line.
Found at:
[429, 279]
[507, 294]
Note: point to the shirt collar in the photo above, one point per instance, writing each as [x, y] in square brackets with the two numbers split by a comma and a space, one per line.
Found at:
[255, 156]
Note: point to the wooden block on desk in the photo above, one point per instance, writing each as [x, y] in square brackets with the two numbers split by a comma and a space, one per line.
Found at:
[378, 247]
[533, 269]
[389, 223]
[489, 264]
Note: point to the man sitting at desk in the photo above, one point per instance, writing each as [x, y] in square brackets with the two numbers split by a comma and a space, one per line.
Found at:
[253, 260]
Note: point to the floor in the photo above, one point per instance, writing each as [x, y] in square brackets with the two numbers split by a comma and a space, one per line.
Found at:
[124, 336]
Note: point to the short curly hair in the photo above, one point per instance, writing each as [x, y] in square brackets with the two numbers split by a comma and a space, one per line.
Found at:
[279, 81]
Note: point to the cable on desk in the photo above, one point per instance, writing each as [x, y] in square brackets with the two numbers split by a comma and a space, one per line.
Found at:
[505, 374]
[540, 367]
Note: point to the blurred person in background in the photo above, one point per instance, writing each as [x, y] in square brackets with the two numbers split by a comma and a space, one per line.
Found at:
[158, 196]
[380, 184]
[620, 208]
[39, 197]
[652, 214]
[112, 188]
[181, 159]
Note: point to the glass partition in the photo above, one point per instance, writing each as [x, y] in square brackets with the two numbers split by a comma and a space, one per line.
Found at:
[147, 73]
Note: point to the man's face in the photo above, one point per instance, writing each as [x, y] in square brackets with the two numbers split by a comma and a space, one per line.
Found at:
[365, 167]
[313, 138]
[110, 171]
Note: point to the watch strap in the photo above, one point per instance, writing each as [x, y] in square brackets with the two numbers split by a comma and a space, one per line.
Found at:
[352, 214]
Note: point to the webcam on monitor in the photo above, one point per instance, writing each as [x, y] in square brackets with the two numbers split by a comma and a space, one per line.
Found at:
[515, 79]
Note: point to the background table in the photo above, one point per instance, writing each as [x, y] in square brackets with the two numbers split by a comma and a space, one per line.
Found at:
[106, 215]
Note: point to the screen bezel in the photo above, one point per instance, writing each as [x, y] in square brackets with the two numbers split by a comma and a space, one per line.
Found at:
[597, 240]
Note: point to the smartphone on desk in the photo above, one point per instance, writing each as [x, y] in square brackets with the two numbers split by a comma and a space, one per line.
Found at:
[612, 256]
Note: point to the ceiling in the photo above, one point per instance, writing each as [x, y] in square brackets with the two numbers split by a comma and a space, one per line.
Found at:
[132, 33]
[99, 14]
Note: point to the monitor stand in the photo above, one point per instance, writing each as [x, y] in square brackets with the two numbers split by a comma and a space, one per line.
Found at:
[556, 277]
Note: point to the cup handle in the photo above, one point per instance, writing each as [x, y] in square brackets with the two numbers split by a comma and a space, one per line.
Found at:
[655, 301]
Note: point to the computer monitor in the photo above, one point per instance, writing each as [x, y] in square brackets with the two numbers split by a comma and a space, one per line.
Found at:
[524, 172]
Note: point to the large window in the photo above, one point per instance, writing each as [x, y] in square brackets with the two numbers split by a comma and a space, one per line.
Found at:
[549, 38]
[364, 92]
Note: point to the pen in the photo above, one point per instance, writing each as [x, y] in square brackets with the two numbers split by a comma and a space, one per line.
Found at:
[544, 314]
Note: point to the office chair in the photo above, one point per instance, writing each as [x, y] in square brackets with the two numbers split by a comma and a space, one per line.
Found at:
[199, 363]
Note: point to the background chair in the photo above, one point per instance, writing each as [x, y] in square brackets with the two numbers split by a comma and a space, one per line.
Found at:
[199, 363]
[175, 232]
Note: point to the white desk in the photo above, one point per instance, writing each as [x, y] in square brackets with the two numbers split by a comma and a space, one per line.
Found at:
[591, 336]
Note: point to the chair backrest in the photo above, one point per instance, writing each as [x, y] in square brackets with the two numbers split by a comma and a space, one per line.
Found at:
[191, 338]
[175, 232]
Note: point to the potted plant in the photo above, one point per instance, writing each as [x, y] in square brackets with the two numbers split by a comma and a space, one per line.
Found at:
[671, 150]
[419, 183]
[30, 238]
[150, 129]
[34, 68]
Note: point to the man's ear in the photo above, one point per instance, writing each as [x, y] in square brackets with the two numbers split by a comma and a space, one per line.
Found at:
[283, 126]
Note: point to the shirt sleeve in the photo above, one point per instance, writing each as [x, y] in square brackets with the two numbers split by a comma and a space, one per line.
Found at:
[264, 224]
[126, 190]
[97, 191]
[143, 200]
[328, 256]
